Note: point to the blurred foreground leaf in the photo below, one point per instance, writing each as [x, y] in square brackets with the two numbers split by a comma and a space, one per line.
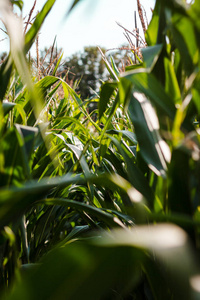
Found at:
[113, 265]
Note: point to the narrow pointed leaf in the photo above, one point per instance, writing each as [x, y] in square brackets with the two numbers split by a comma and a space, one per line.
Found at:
[5, 73]
[135, 175]
[74, 3]
[34, 30]
[107, 90]
[109, 219]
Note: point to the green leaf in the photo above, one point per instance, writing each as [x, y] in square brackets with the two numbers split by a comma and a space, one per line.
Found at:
[114, 67]
[28, 135]
[171, 82]
[74, 3]
[194, 12]
[57, 65]
[179, 190]
[108, 120]
[106, 274]
[15, 31]
[146, 83]
[114, 264]
[15, 167]
[109, 67]
[186, 40]
[169, 246]
[5, 73]
[127, 134]
[81, 158]
[153, 33]
[18, 199]
[182, 32]
[46, 83]
[18, 3]
[42, 87]
[75, 97]
[75, 233]
[153, 149]
[107, 91]
[151, 55]
[103, 216]
[135, 176]
[7, 107]
[34, 30]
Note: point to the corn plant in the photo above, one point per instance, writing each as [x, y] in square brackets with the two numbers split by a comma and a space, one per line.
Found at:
[102, 205]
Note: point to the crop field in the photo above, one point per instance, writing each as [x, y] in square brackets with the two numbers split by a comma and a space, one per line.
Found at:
[102, 203]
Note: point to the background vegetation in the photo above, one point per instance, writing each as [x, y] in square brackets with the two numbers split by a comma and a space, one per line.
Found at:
[102, 204]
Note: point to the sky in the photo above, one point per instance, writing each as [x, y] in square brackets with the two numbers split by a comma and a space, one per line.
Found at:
[91, 23]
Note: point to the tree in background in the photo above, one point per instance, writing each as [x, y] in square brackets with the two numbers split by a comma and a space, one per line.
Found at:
[86, 69]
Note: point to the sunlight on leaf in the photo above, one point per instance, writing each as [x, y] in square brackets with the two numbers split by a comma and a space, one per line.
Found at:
[154, 149]
[163, 236]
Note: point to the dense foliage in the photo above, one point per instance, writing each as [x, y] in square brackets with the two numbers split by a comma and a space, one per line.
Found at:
[84, 70]
[106, 207]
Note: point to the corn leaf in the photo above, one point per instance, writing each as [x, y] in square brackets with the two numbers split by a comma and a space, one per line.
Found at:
[34, 30]
[153, 149]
